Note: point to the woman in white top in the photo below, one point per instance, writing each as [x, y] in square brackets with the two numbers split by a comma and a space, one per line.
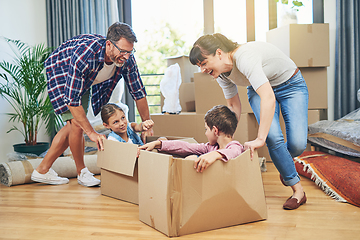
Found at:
[274, 84]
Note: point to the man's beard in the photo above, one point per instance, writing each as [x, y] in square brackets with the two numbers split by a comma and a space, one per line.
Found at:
[118, 64]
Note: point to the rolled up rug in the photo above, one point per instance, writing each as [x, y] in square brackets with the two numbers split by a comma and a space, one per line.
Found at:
[19, 172]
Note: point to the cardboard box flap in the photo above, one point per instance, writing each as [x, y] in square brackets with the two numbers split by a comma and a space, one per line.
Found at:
[119, 157]
[153, 189]
[222, 199]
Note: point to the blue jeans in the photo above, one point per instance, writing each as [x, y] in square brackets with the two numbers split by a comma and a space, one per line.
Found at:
[292, 99]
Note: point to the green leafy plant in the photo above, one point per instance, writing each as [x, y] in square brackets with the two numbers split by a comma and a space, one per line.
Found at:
[24, 89]
[296, 4]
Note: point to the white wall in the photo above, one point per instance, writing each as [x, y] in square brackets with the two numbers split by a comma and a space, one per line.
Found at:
[330, 17]
[24, 20]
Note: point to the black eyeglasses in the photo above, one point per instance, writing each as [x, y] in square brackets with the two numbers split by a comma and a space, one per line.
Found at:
[123, 52]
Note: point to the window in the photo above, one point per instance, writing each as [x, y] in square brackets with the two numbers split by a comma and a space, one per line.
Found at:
[163, 28]
[230, 19]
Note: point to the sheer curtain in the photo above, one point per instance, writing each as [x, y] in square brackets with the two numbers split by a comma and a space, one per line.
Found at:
[69, 18]
[347, 57]
[66, 19]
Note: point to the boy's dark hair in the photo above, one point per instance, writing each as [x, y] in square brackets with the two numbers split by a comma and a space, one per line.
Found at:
[121, 30]
[108, 110]
[223, 118]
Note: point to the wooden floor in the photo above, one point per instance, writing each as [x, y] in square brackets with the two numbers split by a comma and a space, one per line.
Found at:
[71, 211]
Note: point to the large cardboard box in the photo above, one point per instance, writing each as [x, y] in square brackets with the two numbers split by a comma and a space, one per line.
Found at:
[176, 200]
[316, 81]
[306, 44]
[119, 171]
[208, 93]
[186, 68]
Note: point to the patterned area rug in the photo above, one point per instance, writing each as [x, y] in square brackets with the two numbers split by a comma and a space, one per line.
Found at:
[337, 177]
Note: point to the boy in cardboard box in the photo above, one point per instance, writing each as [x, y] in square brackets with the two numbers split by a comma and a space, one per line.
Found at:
[114, 118]
[220, 126]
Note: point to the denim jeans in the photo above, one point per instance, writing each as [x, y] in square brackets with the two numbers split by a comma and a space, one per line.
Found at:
[292, 99]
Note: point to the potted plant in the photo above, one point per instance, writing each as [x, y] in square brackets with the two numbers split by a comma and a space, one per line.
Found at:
[24, 89]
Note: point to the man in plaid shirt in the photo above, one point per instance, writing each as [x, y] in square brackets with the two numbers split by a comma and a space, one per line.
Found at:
[88, 65]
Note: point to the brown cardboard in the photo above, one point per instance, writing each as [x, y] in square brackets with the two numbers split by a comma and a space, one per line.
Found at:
[184, 124]
[119, 171]
[176, 200]
[154, 138]
[120, 186]
[186, 97]
[247, 128]
[208, 93]
[316, 81]
[187, 70]
[316, 115]
[306, 44]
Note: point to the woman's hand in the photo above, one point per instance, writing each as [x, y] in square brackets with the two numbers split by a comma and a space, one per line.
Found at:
[252, 145]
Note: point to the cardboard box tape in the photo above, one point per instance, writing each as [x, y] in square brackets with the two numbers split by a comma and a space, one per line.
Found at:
[19, 172]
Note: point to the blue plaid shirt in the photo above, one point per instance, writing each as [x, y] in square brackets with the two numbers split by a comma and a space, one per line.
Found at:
[72, 68]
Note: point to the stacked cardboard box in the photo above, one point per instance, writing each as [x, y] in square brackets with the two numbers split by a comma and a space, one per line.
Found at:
[308, 46]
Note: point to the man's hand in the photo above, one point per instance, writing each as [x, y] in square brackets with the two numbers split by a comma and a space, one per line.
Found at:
[146, 125]
[81, 120]
[205, 160]
[98, 139]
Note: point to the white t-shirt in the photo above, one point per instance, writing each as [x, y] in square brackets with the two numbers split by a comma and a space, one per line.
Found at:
[255, 63]
[105, 73]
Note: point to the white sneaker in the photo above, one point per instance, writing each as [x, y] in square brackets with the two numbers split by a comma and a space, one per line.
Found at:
[51, 177]
[87, 179]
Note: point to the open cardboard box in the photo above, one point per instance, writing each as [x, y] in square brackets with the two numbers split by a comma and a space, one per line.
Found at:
[176, 200]
[119, 171]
